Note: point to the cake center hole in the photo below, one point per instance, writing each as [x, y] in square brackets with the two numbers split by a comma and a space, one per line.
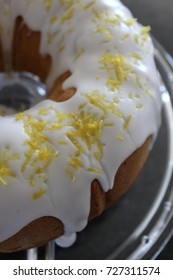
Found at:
[19, 92]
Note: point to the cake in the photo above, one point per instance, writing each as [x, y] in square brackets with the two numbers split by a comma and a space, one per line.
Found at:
[67, 159]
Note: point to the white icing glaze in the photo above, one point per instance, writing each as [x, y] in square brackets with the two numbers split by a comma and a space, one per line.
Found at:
[115, 108]
[66, 241]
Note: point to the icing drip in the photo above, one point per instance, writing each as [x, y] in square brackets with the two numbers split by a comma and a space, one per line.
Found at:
[66, 241]
[49, 151]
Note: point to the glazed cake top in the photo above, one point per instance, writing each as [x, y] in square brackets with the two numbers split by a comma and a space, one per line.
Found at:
[50, 154]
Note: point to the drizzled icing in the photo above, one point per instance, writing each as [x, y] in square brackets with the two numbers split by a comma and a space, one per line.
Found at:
[50, 154]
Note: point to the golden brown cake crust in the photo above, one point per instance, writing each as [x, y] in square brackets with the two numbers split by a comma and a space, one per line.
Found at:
[30, 61]
[35, 234]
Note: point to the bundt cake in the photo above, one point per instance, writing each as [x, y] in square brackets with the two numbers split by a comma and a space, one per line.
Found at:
[65, 160]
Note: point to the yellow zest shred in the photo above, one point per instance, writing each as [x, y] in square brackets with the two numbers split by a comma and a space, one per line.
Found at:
[135, 56]
[42, 111]
[120, 138]
[138, 82]
[68, 15]
[117, 69]
[130, 95]
[86, 127]
[53, 19]
[20, 116]
[51, 37]
[127, 122]
[100, 102]
[105, 17]
[48, 4]
[66, 2]
[105, 21]
[39, 194]
[97, 15]
[82, 106]
[61, 49]
[143, 35]
[97, 155]
[94, 170]
[148, 91]
[61, 142]
[15, 157]
[71, 175]
[139, 106]
[105, 31]
[130, 22]
[125, 37]
[79, 53]
[145, 30]
[5, 173]
[75, 162]
[89, 5]
[137, 96]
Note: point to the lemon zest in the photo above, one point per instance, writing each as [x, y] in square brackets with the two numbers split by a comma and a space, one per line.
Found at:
[38, 194]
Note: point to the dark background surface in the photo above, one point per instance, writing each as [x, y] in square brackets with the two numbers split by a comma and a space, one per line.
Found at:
[159, 15]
